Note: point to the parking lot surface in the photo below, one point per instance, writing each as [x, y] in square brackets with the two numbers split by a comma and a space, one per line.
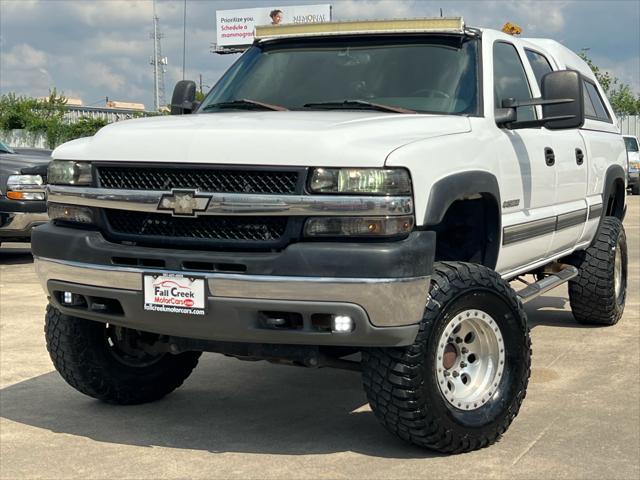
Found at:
[232, 419]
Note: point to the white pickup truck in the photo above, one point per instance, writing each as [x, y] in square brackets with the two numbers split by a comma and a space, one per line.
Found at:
[353, 195]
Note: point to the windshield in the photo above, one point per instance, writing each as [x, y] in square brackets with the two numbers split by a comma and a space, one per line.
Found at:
[631, 143]
[424, 74]
[5, 148]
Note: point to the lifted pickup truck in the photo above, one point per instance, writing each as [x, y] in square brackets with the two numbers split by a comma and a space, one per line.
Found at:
[346, 188]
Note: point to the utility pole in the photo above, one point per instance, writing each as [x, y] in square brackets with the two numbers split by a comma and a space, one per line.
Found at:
[158, 62]
[200, 83]
[184, 37]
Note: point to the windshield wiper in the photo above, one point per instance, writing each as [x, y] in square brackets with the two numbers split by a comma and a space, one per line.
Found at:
[358, 104]
[245, 103]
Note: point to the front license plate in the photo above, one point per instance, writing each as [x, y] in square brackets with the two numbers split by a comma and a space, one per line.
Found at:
[174, 294]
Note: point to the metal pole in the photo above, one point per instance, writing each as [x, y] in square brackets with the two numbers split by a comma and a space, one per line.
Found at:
[184, 36]
[155, 59]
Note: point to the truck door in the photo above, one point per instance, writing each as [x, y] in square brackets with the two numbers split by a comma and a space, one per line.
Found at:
[569, 161]
[527, 181]
[571, 188]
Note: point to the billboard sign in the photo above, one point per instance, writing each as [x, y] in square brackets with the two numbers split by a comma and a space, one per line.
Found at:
[235, 28]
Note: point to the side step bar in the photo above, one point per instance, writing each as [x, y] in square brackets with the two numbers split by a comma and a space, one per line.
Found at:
[533, 290]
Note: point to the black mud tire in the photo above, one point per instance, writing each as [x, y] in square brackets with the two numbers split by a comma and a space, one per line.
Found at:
[80, 353]
[401, 383]
[592, 294]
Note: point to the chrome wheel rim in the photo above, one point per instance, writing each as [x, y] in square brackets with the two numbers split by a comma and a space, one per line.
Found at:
[470, 359]
[617, 271]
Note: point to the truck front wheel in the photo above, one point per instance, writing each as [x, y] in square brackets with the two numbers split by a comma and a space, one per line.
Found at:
[461, 384]
[105, 361]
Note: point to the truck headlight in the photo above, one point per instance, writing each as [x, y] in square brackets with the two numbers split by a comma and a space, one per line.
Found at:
[17, 184]
[376, 181]
[358, 226]
[67, 172]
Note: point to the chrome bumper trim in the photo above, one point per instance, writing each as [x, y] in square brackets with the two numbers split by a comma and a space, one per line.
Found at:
[236, 203]
[23, 221]
[387, 301]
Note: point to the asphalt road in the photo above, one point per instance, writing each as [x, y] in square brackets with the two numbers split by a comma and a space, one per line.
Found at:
[232, 419]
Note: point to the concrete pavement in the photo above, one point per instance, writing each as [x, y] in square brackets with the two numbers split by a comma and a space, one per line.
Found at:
[232, 419]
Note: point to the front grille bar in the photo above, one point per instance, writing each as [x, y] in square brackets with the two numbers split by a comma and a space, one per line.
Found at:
[237, 203]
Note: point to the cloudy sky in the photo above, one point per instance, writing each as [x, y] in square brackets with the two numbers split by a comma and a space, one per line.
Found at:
[94, 49]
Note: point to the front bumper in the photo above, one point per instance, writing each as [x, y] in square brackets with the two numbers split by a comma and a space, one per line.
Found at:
[18, 225]
[18, 218]
[381, 286]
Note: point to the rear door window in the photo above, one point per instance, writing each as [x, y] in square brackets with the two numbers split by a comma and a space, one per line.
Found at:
[597, 111]
[539, 64]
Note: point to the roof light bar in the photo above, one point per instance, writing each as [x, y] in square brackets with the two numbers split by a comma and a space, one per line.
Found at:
[418, 25]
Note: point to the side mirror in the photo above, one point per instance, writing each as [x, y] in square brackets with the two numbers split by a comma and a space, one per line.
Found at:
[183, 100]
[562, 104]
[559, 85]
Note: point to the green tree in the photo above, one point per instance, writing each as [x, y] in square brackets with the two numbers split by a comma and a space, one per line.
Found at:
[34, 115]
[83, 127]
[622, 99]
[45, 117]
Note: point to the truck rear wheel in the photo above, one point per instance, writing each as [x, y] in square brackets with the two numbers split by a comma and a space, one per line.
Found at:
[597, 295]
[461, 384]
[103, 361]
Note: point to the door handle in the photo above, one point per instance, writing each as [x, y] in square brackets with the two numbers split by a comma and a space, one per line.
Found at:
[549, 157]
[579, 156]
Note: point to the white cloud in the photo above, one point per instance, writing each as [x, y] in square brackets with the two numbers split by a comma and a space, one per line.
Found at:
[101, 14]
[115, 46]
[24, 56]
[101, 48]
[24, 69]
[373, 9]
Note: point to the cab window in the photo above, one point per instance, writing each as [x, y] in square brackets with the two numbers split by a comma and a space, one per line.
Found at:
[539, 64]
[597, 110]
[510, 79]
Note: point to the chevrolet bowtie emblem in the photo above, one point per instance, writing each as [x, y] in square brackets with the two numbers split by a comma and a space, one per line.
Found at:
[184, 202]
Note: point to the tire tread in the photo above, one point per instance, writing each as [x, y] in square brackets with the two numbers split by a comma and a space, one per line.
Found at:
[72, 348]
[398, 371]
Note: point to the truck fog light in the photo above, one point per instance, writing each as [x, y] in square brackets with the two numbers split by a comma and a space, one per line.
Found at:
[67, 298]
[358, 226]
[70, 213]
[342, 324]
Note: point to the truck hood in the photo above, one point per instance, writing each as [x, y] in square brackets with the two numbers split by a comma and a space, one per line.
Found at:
[333, 138]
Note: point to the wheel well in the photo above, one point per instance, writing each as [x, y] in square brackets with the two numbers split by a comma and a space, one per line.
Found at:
[470, 231]
[615, 202]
